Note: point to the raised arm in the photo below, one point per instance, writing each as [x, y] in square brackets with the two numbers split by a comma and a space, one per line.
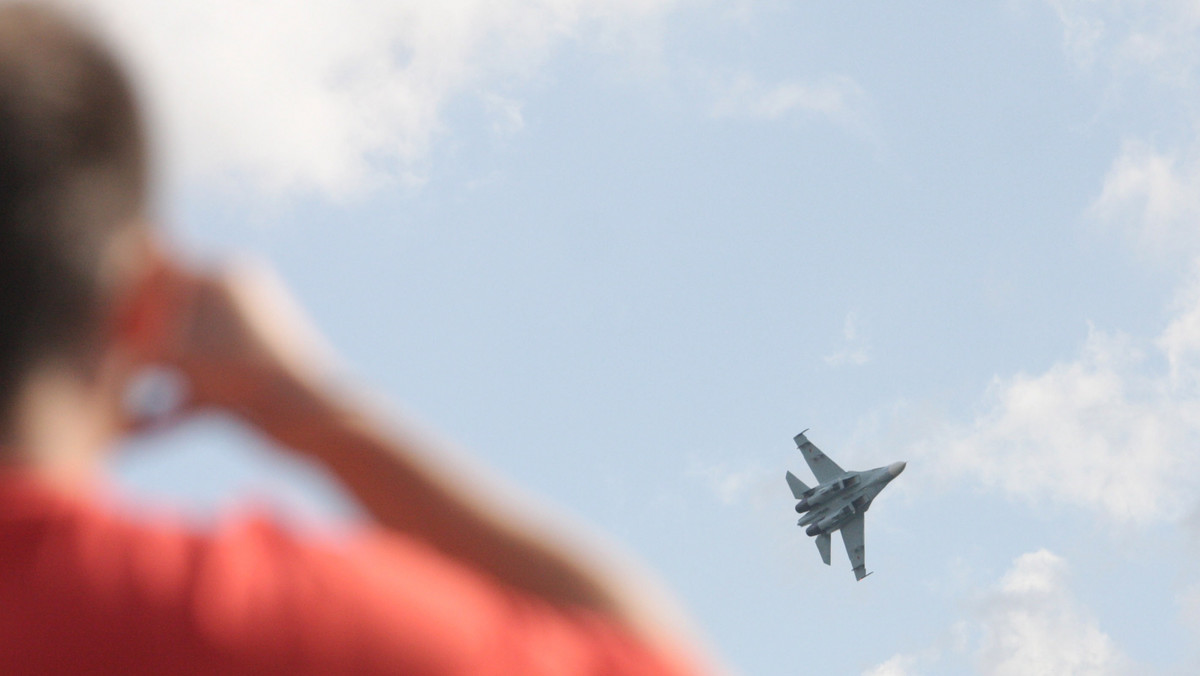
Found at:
[246, 348]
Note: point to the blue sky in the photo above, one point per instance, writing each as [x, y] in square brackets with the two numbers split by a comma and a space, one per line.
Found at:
[623, 251]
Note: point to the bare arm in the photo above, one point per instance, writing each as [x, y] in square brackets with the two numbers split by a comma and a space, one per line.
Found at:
[247, 349]
[401, 478]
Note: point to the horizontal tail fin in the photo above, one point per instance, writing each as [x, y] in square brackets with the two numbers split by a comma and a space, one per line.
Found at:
[797, 486]
[823, 547]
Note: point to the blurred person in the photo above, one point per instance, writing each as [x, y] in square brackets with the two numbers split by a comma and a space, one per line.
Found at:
[442, 581]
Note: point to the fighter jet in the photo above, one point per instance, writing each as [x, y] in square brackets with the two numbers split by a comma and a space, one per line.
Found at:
[838, 502]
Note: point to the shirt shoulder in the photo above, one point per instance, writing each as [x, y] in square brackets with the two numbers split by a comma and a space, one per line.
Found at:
[255, 597]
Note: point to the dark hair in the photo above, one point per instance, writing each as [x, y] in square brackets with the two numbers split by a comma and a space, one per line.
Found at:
[72, 175]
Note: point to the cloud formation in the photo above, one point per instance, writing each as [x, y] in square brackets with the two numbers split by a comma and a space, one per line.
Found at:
[1147, 56]
[1154, 194]
[1082, 31]
[1113, 429]
[334, 96]
[1031, 624]
[899, 665]
[735, 485]
[837, 97]
[1027, 623]
[1103, 431]
[1132, 37]
[855, 349]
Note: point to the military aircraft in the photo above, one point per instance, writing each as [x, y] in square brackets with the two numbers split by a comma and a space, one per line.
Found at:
[838, 502]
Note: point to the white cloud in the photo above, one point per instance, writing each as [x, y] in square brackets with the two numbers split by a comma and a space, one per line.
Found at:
[838, 98]
[1106, 431]
[507, 115]
[1032, 625]
[1154, 194]
[1149, 54]
[734, 486]
[1082, 31]
[335, 96]
[855, 349]
[1113, 429]
[1028, 624]
[900, 665]
[1132, 37]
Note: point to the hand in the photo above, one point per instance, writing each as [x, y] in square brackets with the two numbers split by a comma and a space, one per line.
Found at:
[241, 340]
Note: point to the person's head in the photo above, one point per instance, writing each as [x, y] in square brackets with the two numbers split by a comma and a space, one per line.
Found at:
[73, 185]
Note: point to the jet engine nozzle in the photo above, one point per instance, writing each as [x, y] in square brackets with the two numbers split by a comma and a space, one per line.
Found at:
[803, 506]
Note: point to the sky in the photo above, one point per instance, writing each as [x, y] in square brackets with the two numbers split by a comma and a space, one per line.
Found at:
[622, 251]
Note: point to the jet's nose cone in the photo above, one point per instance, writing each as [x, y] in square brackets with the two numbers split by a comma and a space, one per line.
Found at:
[896, 468]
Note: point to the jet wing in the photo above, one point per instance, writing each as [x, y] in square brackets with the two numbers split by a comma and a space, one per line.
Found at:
[822, 467]
[852, 537]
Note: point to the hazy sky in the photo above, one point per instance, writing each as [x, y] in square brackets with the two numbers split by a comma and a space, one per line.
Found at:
[623, 250]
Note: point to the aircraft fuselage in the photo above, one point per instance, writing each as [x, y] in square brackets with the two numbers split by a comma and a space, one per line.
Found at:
[834, 503]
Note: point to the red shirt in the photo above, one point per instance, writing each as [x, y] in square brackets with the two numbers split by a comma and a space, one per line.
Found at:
[85, 591]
